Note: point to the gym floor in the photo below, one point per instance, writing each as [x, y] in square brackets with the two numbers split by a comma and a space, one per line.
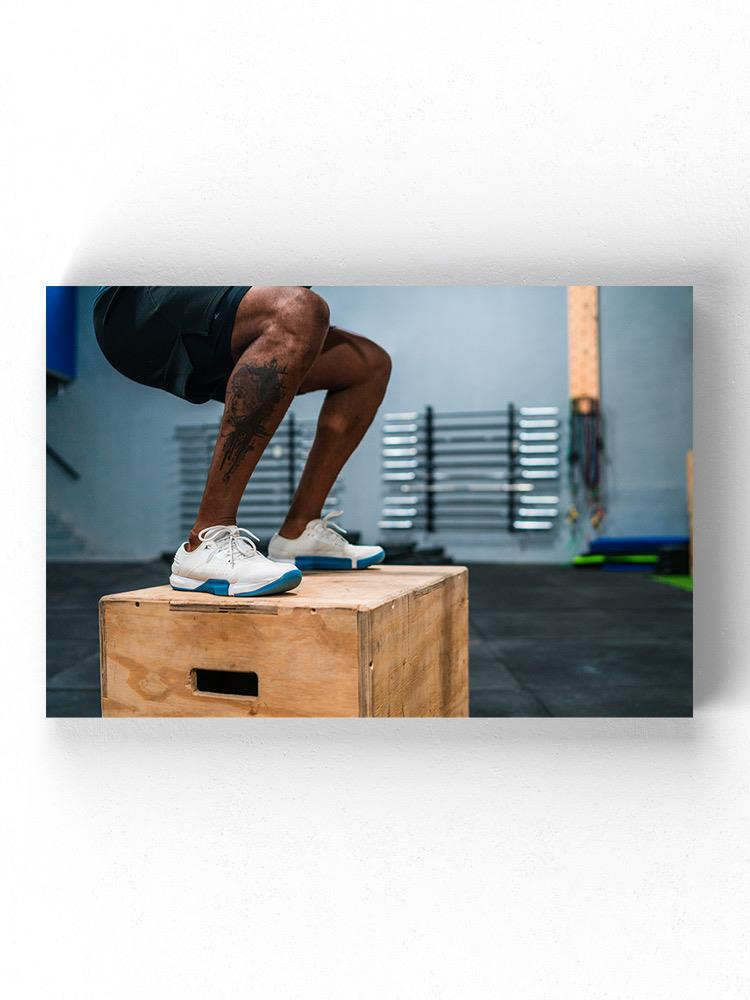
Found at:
[544, 640]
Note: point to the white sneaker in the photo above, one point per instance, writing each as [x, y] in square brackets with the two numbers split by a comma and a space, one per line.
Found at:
[321, 547]
[227, 563]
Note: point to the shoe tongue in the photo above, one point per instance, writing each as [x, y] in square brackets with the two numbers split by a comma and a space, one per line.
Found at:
[216, 528]
[218, 532]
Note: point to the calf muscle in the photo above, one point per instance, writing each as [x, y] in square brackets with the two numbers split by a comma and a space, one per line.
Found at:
[254, 393]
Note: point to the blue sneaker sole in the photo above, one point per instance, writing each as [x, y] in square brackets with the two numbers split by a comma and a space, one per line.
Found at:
[336, 562]
[220, 588]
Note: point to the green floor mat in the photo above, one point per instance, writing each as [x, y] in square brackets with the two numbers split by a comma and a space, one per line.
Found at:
[683, 582]
[600, 560]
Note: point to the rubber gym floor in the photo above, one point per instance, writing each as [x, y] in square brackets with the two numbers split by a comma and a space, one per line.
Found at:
[544, 640]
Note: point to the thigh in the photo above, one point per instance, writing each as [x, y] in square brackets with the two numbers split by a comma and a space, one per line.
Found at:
[345, 359]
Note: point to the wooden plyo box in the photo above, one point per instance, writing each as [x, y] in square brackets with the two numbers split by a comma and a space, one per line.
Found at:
[387, 641]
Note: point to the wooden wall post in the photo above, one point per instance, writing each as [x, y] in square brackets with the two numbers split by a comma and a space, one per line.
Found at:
[583, 341]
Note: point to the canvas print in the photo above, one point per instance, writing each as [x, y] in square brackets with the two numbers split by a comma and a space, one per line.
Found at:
[369, 501]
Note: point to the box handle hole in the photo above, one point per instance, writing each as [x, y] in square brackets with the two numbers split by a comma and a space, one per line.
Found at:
[241, 682]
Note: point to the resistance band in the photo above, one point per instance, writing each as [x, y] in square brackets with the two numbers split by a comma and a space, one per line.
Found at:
[584, 461]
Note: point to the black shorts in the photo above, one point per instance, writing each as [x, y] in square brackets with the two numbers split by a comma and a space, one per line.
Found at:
[172, 337]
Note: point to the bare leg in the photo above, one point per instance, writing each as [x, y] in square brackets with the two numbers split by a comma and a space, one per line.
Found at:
[355, 371]
[277, 335]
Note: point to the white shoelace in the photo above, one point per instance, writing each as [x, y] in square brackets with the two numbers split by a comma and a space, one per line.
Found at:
[236, 540]
[327, 525]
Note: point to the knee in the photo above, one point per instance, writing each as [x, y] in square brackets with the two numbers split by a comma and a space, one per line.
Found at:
[306, 317]
[301, 309]
[316, 309]
[380, 366]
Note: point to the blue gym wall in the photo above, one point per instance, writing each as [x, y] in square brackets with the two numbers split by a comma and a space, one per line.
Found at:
[61, 331]
[647, 371]
[457, 348]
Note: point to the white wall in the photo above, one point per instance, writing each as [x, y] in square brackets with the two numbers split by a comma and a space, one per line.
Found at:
[454, 347]
[567, 858]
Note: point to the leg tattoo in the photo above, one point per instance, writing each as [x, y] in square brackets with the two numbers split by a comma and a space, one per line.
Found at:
[256, 392]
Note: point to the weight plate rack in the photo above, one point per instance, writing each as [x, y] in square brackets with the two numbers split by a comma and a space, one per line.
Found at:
[269, 493]
[481, 470]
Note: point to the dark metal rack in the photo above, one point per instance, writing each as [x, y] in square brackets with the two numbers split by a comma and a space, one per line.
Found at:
[471, 470]
[511, 516]
[430, 467]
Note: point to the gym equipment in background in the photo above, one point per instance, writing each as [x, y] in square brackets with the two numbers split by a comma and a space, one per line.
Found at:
[666, 555]
[392, 641]
[585, 446]
[637, 544]
[481, 470]
[273, 483]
